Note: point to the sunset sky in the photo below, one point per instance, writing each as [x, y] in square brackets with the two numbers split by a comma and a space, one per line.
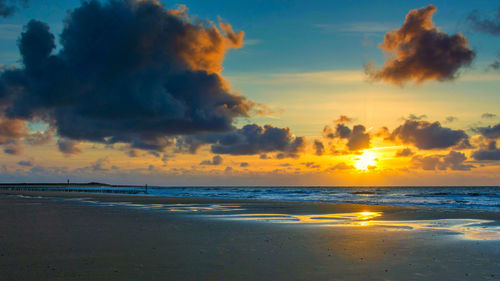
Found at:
[275, 92]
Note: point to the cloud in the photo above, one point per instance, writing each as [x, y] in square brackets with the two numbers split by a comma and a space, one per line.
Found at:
[11, 131]
[485, 25]
[101, 165]
[25, 163]
[13, 147]
[343, 119]
[7, 10]
[244, 164]
[450, 119]
[341, 166]
[68, 147]
[319, 148]
[254, 139]
[357, 137]
[490, 132]
[453, 160]
[421, 52]
[39, 138]
[404, 152]
[492, 152]
[311, 165]
[426, 135]
[132, 152]
[414, 117]
[154, 74]
[216, 160]
[488, 115]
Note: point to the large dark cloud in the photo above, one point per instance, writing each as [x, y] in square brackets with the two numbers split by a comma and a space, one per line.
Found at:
[9, 7]
[453, 160]
[126, 71]
[421, 52]
[254, 139]
[426, 135]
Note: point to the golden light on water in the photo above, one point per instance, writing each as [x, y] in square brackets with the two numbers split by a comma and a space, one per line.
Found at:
[366, 161]
[474, 229]
[367, 215]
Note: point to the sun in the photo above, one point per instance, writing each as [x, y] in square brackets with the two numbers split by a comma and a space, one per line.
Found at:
[365, 161]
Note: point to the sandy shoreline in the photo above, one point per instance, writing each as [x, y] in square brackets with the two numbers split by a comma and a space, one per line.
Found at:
[63, 239]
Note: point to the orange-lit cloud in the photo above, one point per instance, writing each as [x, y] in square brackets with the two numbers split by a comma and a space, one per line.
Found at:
[419, 52]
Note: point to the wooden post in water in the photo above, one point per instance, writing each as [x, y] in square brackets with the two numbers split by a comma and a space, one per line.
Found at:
[146, 192]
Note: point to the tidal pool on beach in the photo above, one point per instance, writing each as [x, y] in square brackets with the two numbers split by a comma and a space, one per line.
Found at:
[473, 229]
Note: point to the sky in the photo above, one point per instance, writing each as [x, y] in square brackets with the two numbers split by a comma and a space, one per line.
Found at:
[250, 92]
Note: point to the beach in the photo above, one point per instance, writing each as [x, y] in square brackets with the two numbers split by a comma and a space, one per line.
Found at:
[72, 236]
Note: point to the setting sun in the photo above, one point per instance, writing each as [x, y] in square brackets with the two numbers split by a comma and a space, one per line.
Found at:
[365, 161]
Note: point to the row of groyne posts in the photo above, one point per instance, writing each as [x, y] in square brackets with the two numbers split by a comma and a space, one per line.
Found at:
[75, 187]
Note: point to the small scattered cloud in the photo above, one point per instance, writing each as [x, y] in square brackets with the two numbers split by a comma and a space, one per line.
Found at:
[414, 117]
[9, 7]
[404, 153]
[216, 160]
[341, 166]
[450, 119]
[101, 165]
[319, 148]
[453, 160]
[490, 25]
[357, 137]
[25, 163]
[39, 138]
[490, 132]
[343, 119]
[488, 115]
[491, 152]
[68, 147]
[13, 147]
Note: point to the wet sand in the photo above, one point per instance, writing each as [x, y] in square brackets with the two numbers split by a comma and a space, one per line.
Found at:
[146, 238]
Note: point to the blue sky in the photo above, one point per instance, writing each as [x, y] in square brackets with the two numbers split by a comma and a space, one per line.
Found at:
[289, 36]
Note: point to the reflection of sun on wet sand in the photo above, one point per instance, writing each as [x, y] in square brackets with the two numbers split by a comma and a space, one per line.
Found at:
[474, 229]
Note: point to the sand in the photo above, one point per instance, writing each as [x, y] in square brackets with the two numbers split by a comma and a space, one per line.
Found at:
[58, 238]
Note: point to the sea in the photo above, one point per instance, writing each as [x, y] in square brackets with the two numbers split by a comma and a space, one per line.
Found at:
[468, 197]
[484, 197]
